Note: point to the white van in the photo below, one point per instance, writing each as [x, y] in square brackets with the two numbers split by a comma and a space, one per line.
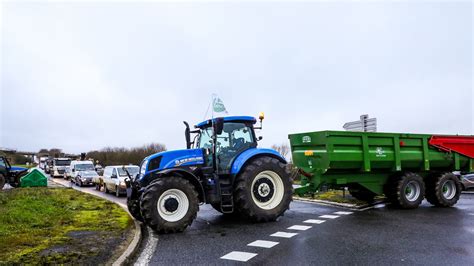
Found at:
[59, 166]
[82, 172]
[114, 178]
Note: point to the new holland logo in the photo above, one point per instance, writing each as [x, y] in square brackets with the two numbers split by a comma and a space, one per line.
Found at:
[306, 139]
[187, 160]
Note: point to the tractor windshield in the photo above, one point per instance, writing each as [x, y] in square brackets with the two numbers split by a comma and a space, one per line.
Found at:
[234, 139]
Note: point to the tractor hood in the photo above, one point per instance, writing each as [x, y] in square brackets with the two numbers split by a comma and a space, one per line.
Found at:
[18, 169]
[173, 159]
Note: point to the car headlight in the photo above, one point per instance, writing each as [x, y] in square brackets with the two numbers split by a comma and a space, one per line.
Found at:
[122, 183]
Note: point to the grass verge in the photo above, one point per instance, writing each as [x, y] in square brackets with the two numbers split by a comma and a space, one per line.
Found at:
[56, 226]
[339, 196]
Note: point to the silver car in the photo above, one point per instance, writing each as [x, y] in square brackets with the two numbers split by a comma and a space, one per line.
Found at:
[467, 181]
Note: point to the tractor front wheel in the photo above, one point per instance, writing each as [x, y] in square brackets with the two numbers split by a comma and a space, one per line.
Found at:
[169, 205]
[2, 181]
[263, 190]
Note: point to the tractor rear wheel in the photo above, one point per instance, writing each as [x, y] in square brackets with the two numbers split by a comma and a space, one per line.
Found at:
[2, 181]
[17, 179]
[405, 190]
[263, 190]
[169, 204]
[443, 190]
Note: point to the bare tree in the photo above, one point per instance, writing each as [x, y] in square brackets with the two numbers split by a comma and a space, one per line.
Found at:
[283, 149]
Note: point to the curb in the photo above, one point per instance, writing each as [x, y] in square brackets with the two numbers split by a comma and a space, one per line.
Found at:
[337, 204]
[132, 249]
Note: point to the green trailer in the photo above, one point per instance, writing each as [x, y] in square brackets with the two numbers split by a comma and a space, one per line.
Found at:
[404, 167]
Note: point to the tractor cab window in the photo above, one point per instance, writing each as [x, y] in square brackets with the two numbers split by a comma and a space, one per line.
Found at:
[2, 162]
[235, 138]
[205, 139]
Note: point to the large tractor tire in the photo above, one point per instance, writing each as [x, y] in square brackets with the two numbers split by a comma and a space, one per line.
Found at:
[263, 190]
[443, 190]
[169, 205]
[134, 209]
[17, 179]
[2, 181]
[405, 190]
[361, 193]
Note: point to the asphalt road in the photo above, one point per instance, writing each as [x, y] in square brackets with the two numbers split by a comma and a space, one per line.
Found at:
[89, 189]
[427, 235]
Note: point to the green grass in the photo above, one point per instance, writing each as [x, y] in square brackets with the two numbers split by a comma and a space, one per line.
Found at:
[339, 196]
[25, 166]
[36, 219]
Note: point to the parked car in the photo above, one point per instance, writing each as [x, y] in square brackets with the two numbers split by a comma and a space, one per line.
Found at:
[467, 181]
[114, 178]
[59, 166]
[82, 172]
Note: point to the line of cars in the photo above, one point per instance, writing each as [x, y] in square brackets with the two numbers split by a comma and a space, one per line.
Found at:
[110, 179]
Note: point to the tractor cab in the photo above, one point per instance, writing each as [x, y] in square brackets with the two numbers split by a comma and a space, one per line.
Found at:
[224, 139]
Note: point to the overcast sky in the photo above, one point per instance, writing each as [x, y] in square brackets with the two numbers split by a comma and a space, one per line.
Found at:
[89, 75]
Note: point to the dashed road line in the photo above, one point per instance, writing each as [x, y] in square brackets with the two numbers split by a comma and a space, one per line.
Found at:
[284, 234]
[263, 244]
[299, 227]
[239, 256]
[314, 221]
[343, 213]
[329, 216]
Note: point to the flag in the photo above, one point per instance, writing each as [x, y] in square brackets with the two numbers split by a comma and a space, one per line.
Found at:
[218, 105]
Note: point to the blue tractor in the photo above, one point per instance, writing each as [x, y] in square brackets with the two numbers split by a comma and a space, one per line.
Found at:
[10, 174]
[222, 166]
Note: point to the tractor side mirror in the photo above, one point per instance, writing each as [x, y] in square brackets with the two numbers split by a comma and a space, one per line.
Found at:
[187, 135]
[218, 125]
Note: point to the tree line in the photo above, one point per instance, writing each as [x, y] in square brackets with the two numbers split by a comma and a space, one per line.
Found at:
[123, 156]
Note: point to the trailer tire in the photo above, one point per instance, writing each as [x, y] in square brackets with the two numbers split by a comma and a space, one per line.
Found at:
[169, 205]
[443, 190]
[2, 181]
[263, 190]
[405, 190]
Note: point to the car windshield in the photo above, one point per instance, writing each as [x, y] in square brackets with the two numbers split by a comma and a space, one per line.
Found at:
[62, 162]
[84, 167]
[133, 170]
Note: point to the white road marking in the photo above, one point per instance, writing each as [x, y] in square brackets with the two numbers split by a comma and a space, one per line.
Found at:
[284, 234]
[314, 221]
[328, 216]
[263, 244]
[239, 256]
[471, 214]
[343, 213]
[299, 227]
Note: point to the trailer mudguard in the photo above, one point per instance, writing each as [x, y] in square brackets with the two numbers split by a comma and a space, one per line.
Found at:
[249, 154]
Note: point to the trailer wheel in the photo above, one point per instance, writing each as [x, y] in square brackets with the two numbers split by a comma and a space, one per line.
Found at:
[169, 204]
[263, 190]
[444, 190]
[2, 181]
[405, 190]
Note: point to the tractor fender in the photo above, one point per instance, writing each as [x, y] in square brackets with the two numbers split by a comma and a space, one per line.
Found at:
[248, 155]
[186, 175]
